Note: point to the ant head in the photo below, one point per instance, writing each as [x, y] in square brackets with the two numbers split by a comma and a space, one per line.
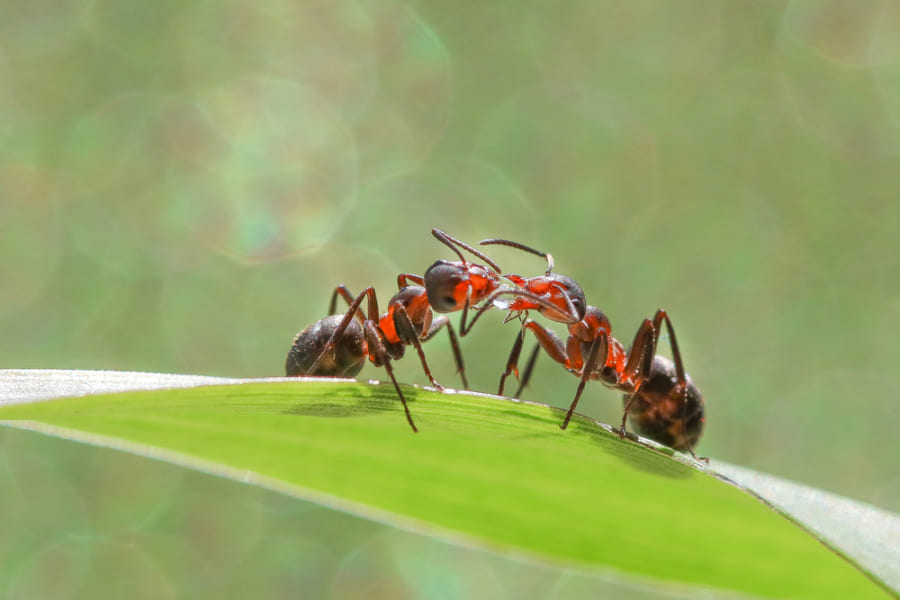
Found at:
[442, 284]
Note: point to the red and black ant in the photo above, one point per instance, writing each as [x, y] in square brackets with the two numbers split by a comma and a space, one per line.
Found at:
[339, 345]
[662, 401]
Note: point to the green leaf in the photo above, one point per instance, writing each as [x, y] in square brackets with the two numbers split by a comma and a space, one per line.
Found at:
[483, 469]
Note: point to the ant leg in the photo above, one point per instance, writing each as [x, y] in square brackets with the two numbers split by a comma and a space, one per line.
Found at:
[548, 340]
[342, 327]
[513, 361]
[463, 329]
[640, 355]
[596, 356]
[354, 310]
[436, 325]
[344, 293]
[638, 364]
[404, 278]
[529, 367]
[658, 319]
[660, 316]
[377, 346]
[406, 331]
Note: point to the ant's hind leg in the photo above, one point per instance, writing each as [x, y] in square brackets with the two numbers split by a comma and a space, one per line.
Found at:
[660, 316]
[638, 365]
[344, 293]
[329, 348]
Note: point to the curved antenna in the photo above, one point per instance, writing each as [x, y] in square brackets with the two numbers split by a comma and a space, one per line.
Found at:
[456, 244]
[523, 247]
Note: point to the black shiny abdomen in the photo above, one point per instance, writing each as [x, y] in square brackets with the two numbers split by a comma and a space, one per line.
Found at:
[349, 356]
[657, 411]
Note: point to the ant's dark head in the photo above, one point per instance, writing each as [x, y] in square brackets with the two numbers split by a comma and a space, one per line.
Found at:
[442, 284]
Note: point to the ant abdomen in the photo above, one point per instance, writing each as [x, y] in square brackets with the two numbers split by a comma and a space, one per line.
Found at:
[658, 412]
[349, 354]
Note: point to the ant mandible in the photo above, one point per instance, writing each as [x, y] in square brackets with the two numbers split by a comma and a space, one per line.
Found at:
[663, 402]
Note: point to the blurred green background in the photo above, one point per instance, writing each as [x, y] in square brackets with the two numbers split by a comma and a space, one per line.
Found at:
[182, 184]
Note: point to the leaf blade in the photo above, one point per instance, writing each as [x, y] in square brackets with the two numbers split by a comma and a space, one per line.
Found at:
[500, 472]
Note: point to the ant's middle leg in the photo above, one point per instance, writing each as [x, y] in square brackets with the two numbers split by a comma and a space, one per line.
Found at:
[407, 334]
[596, 356]
[436, 325]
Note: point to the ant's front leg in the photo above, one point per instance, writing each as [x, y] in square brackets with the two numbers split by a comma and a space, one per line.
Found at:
[529, 369]
[547, 339]
[512, 363]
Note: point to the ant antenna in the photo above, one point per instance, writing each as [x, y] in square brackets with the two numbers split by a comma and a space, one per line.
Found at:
[455, 244]
[518, 246]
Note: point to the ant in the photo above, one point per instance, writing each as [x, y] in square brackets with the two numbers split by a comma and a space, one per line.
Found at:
[663, 402]
[338, 345]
